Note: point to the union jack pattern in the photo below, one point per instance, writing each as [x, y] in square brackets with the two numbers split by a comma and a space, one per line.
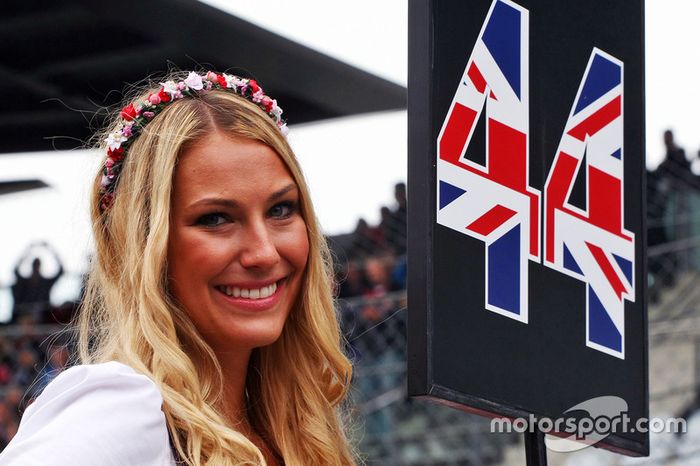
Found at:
[493, 202]
[591, 244]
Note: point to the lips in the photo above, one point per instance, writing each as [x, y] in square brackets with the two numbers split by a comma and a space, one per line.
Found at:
[252, 296]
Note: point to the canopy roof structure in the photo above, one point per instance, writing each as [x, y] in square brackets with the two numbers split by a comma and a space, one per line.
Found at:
[64, 63]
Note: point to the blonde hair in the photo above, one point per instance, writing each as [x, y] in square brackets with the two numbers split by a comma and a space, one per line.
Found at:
[295, 386]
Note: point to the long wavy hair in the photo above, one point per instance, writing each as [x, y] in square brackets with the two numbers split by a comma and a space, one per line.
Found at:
[295, 387]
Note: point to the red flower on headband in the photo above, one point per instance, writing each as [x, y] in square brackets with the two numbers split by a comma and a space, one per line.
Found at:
[221, 80]
[254, 86]
[116, 154]
[267, 103]
[107, 201]
[164, 96]
[128, 112]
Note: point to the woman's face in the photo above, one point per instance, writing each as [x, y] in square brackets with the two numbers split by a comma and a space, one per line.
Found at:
[238, 244]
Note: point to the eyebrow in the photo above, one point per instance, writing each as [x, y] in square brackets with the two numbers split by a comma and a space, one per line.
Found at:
[230, 203]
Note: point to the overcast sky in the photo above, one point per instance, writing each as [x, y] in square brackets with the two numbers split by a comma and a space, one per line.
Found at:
[371, 35]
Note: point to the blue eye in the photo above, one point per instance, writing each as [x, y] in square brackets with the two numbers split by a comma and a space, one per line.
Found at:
[212, 220]
[283, 209]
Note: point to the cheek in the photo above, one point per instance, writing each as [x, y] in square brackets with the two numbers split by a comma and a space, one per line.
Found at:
[195, 249]
[192, 259]
[297, 248]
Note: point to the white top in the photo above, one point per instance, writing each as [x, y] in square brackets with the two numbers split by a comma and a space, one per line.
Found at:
[93, 415]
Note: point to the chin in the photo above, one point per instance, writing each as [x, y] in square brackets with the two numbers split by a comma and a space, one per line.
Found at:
[260, 336]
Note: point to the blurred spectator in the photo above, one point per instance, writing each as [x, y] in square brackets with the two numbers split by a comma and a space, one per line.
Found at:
[5, 420]
[366, 240]
[26, 337]
[5, 361]
[399, 215]
[13, 398]
[25, 372]
[31, 294]
[5, 371]
[61, 314]
[8, 430]
[674, 170]
[58, 359]
[388, 228]
[379, 272]
[668, 212]
[355, 282]
[398, 275]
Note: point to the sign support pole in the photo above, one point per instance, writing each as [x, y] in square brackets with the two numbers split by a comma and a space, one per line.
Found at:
[535, 450]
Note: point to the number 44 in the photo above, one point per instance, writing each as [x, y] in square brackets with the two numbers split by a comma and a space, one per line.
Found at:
[494, 203]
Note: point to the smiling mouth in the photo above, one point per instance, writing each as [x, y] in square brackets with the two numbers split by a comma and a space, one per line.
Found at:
[250, 293]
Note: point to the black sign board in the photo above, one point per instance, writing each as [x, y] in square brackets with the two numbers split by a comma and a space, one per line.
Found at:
[526, 232]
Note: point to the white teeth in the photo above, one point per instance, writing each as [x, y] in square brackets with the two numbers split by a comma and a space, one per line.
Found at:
[256, 293]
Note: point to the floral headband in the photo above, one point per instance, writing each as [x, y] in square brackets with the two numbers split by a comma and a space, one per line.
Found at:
[137, 114]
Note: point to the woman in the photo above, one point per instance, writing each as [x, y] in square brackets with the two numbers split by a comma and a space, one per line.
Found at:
[207, 335]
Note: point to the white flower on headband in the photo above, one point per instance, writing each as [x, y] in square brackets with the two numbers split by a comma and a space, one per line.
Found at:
[276, 109]
[230, 81]
[194, 81]
[115, 139]
[170, 87]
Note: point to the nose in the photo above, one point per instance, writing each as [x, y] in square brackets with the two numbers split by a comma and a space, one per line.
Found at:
[259, 249]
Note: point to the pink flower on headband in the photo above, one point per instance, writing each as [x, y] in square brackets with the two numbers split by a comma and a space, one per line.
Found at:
[194, 81]
[267, 103]
[115, 139]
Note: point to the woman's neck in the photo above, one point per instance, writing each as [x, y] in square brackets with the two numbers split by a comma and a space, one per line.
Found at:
[234, 366]
[234, 402]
